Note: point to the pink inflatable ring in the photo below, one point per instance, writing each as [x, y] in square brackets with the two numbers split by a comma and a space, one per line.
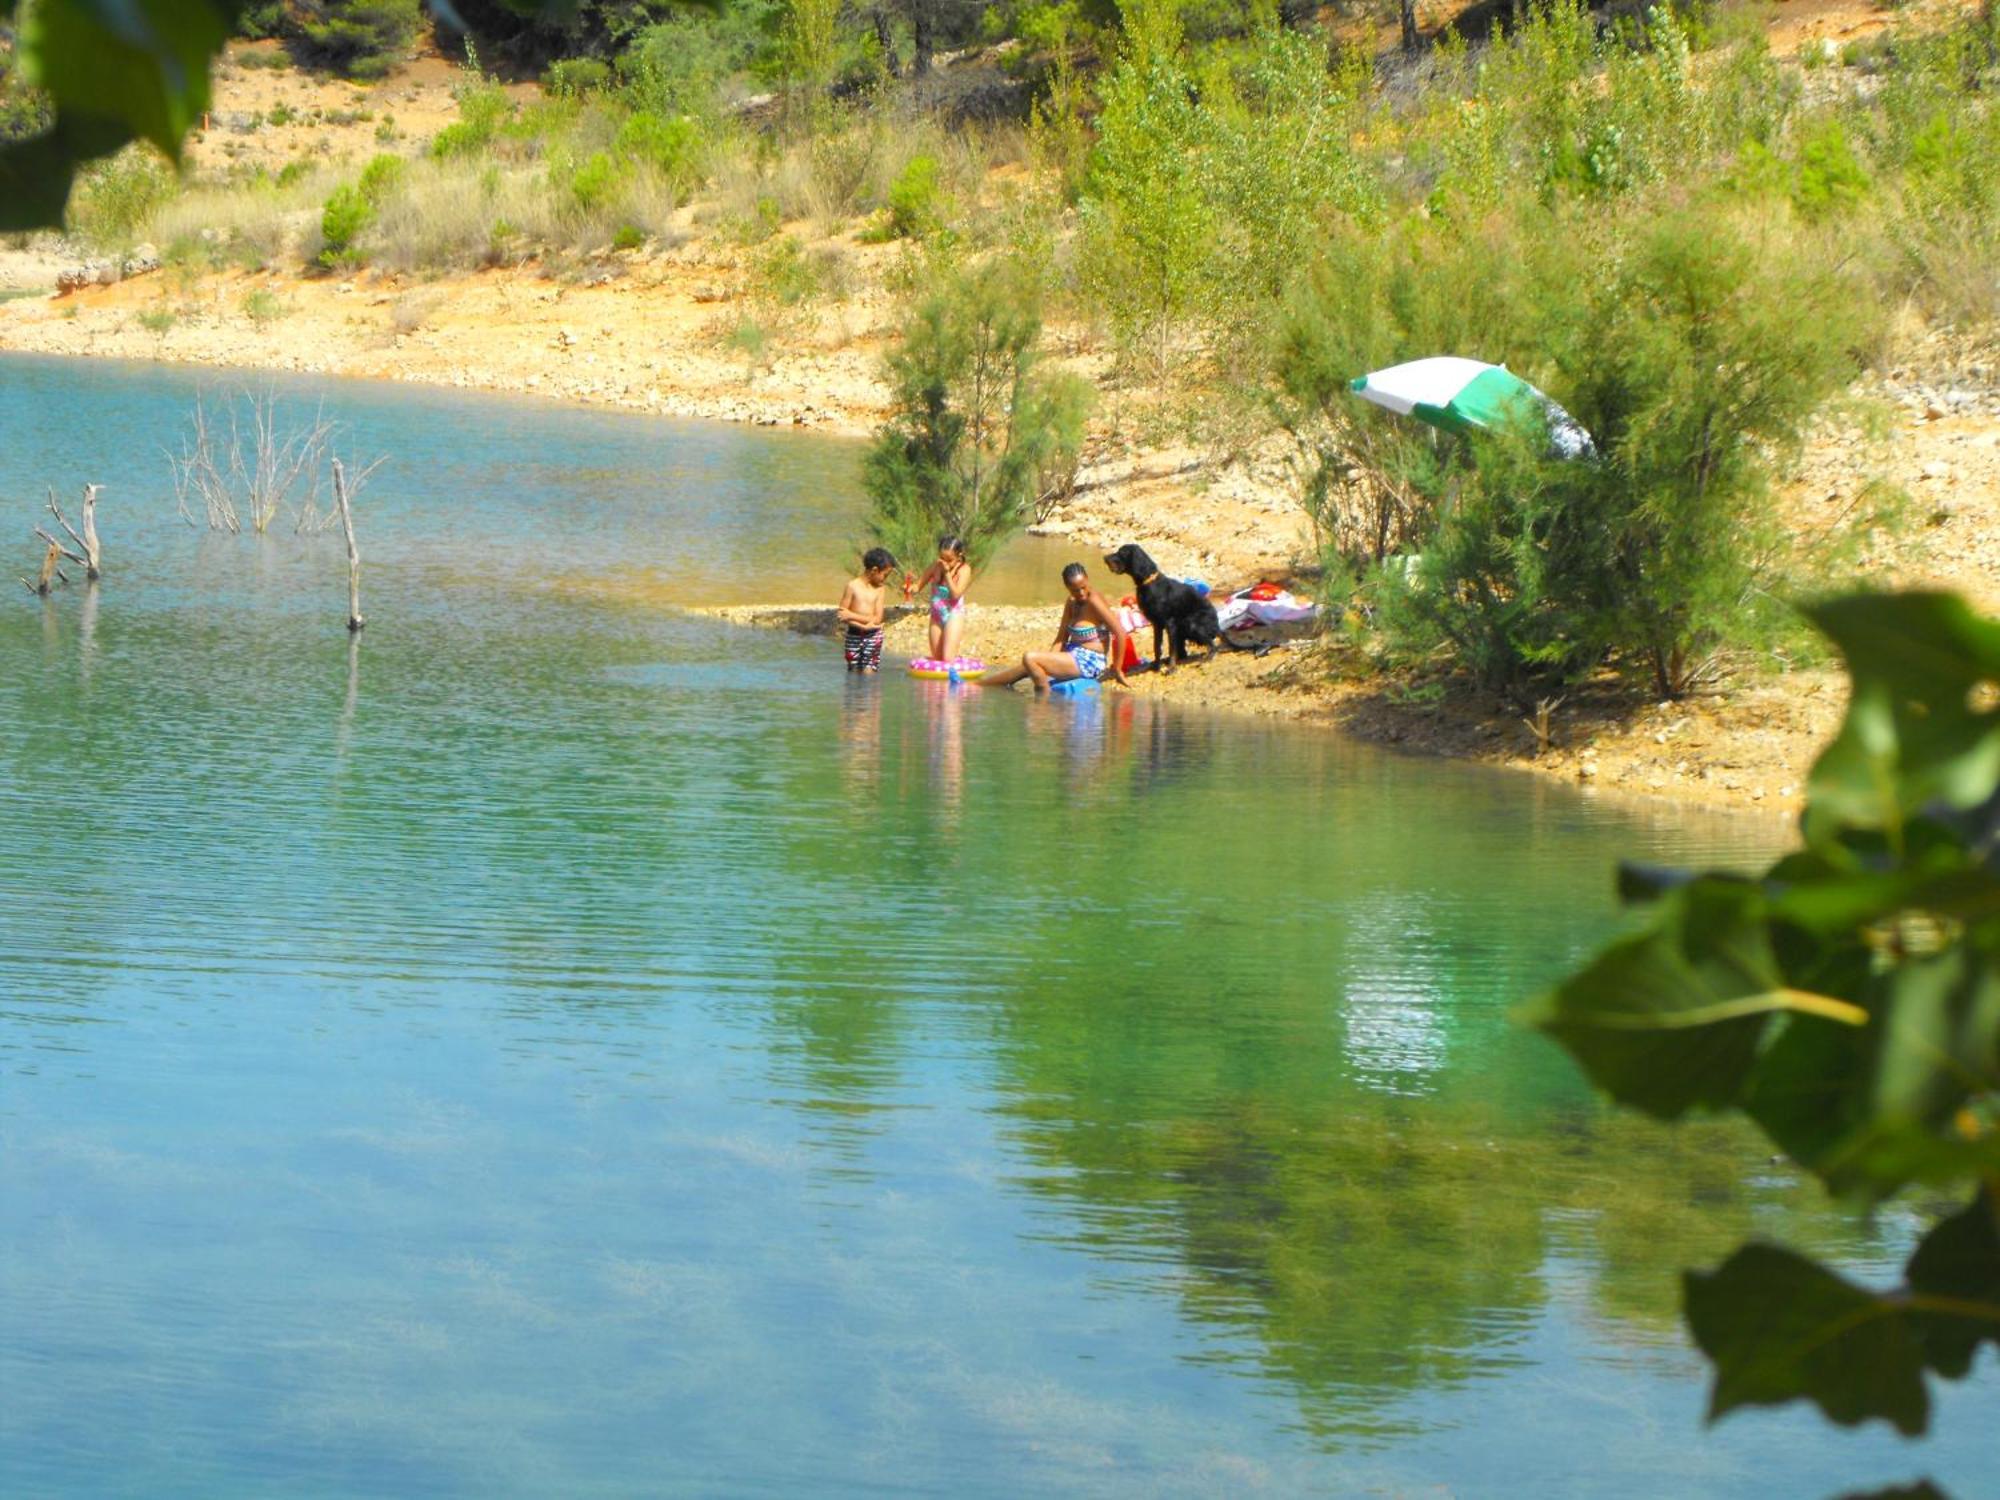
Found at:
[965, 668]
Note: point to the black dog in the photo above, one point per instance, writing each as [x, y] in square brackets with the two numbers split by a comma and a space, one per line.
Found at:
[1174, 608]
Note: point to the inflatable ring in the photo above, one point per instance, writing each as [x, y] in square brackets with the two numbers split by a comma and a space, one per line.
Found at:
[965, 668]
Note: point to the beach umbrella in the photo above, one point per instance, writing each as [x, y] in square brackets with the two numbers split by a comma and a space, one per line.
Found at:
[1463, 394]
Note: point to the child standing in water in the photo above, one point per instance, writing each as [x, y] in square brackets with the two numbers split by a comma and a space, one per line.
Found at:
[946, 581]
[862, 610]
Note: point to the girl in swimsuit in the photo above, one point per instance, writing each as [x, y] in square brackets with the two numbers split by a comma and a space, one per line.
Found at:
[946, 581]
[1089, 641]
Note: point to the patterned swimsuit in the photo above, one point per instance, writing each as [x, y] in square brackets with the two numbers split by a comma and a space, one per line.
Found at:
[1083, 650]
[942, 607]
[864, 649]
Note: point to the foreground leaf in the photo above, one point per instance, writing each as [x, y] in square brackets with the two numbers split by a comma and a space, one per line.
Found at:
[1779, 1328]
[1672, 1019]
[1921, 726]
[1955, 1279]
[143, 63]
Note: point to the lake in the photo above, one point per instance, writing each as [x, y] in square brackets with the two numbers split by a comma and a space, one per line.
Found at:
[555, 1045]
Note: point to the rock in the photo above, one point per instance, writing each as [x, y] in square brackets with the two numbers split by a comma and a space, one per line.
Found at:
[143, 258]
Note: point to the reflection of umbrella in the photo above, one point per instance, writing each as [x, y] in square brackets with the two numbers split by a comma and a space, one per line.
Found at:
[1461, 394]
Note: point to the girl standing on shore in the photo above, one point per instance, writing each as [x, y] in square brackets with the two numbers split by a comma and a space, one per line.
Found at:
[946, 581]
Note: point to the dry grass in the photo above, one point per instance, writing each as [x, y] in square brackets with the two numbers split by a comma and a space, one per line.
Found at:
[261, 224]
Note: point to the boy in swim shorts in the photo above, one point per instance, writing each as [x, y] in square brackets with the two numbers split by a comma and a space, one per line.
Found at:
[863, 609]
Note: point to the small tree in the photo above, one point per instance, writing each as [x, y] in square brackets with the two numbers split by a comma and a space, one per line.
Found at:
[976, 424]
[1148, 221]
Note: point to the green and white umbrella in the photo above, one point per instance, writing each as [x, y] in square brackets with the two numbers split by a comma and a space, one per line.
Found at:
[1465, 394]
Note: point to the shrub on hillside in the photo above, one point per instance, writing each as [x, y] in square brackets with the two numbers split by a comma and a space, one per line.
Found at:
[573, 77]
[114, 197]
[914, 199]
[356, 38]
[346, 214]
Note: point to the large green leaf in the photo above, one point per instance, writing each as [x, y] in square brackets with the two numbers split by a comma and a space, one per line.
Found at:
[1940, 1035]
[1955, 1277]
[1807, 1093]
[143, 63]
[1917, 729]
[1780, 1328]
[1671, 1019]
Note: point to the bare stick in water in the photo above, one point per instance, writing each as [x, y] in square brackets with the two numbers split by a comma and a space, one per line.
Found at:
[354, 620]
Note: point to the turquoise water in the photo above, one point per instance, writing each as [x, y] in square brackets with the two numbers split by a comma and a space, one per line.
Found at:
[553, 1046]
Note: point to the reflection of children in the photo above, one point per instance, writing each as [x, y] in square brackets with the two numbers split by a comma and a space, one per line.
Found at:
[862, 610]
[946, 581]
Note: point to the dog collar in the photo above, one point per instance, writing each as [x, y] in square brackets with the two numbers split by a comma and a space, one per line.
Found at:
[1148, 579]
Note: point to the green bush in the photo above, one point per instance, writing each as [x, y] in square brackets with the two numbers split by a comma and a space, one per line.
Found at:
[1694, 358]
[347, 213]
[483, 107]
[973, 421]
[1831, 178]
[573, 77]
[114, 198]
[913, 199]
[594, 181]
[356, 38]
[24, 111]
[380, 177]
[668, 146]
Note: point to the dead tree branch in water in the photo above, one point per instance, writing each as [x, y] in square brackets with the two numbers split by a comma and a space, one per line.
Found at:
[250, 477]
[92, 554]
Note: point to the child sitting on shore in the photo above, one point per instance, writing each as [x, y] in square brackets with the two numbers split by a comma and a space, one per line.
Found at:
[862, 610]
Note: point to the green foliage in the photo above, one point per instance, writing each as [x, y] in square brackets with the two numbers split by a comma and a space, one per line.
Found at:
[807, 52]
[263, 308]
[356, 38]
[483, 107]
[1693, 352]
[114, 198]
[347, 213]
[670, 147]
[681, 64]
[380, 177]
[592, 182]
[974, 423]
[914, 199]
[1848, 1003]
[24, 111]
[109, 73]
[158, 321]
[1831, 178]
[573, 77]
[628, 237]
[1147, 221]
